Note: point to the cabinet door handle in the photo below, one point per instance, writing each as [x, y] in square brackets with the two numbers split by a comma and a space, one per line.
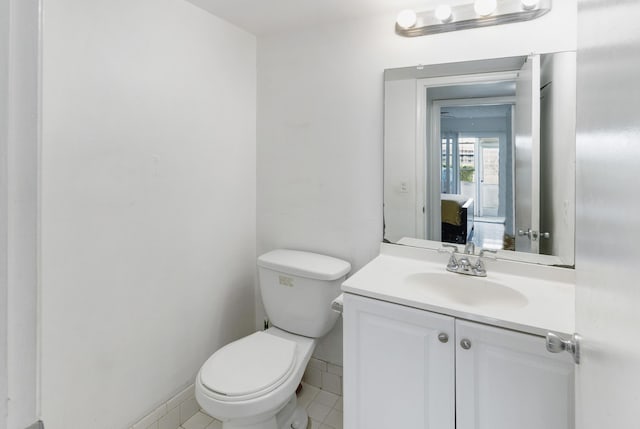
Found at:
[444, 338]
[465, 344]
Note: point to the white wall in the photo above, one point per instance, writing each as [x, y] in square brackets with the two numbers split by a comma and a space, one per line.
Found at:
[18, 211]
[148, 203]
[607, 231]
[4, 200]
[320, 101]
[23, 204]
[400, 163]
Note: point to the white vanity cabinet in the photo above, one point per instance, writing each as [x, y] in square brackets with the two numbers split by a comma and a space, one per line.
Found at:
[401, 372]
[507, 379]
[398, 374]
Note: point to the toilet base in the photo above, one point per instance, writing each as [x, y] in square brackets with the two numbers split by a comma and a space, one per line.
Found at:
[291, 416]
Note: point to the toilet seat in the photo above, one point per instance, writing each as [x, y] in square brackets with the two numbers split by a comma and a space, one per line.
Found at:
[248, 368]
[236, 411]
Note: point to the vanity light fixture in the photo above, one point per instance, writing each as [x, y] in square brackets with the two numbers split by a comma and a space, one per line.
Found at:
[444, 13]
[474, 14]
[529, 4]
[407, 19]
[485, 7]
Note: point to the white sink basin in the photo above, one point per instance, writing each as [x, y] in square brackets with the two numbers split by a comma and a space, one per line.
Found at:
[466, 290]
[523, 297]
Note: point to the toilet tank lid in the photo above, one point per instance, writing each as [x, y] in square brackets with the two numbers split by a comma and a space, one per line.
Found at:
[304, 264]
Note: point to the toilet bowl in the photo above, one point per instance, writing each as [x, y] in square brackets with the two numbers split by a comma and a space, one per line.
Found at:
[251, 383]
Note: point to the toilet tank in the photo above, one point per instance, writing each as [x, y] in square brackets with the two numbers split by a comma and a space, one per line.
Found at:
[297, 289]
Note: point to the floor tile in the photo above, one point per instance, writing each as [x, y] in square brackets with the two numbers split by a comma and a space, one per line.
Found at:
[216, 424]
[171, 420]
[326, 398]
[317, 411]
[332, 383]
[488, 235]
[307, 394]
[324, 409]
[339, 404]
[334, 419]
[198, 421]
[188, 409]
[313, 376]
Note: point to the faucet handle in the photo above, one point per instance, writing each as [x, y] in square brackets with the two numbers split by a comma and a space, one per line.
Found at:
[452, 265]
[445, 248]
[492, 256]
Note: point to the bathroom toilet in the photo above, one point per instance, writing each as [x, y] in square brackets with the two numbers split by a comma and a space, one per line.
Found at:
[251, 383]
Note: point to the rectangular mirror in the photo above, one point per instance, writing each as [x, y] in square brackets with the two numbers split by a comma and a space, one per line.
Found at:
[483, 152]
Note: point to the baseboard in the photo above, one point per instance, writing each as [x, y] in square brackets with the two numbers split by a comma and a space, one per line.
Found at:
[324, 375]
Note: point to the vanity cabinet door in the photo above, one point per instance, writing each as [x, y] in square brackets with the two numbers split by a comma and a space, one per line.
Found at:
[507, 380]
[397, 372]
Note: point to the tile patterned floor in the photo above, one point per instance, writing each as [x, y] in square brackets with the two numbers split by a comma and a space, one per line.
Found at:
[201, 421]
[324, 408]
[488, 235]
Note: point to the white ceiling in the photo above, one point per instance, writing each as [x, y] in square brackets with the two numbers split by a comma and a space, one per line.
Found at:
[269, 16]
[476, 112]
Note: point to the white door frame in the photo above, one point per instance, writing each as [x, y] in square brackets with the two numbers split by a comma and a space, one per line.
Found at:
[428, 130]
[486, 101]
[527, 156]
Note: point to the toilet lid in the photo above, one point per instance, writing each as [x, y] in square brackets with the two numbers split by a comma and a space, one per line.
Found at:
[255, 364]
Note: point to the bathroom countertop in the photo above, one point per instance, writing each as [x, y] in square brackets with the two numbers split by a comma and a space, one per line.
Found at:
[539, 299]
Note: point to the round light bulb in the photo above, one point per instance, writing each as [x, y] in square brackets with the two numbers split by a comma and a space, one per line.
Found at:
[485, 7]
[407, 18]
[444, 13]
[529, 4]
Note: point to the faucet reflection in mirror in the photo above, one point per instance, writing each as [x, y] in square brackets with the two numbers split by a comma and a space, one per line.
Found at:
[481, 13]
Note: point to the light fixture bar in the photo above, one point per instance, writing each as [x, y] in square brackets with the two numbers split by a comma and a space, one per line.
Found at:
[465, 17]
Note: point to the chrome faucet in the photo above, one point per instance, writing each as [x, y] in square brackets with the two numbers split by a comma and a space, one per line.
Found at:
[463, 265]
[470, 248]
